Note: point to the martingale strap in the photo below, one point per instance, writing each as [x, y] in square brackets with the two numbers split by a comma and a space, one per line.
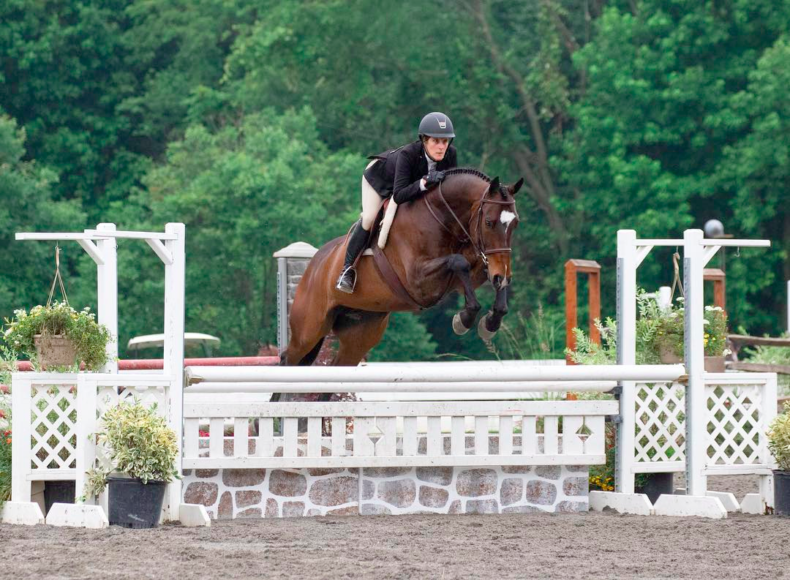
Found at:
[391, 278]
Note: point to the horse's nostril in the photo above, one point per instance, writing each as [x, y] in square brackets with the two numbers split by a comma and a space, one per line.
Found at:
[497, 281]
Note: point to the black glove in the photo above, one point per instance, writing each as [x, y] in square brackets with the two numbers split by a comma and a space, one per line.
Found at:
[434, 178]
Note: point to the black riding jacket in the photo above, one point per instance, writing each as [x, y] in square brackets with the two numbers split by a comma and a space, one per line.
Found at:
[399, 171]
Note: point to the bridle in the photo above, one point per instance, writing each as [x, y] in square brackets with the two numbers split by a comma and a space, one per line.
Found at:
[479, 247]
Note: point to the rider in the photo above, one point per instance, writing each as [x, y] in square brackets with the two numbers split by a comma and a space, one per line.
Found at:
[403, 173]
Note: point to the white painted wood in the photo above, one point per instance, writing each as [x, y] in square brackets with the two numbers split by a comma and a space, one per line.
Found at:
[572, 443]
[241, 430]
[486, 371]
[216, 432]
[550, 436]
[434, 436]
[24, 513]
[694, 260]
[481, 436]
[438, 391]
[689, 505]
[627, 263]
[107, 293]
[624, 503]
[363, 445]
[753, 503]
[264, 444]
[169, 235]
[191, 437]
[752, 469]
[727, 500]
[77, 516]
[410, 443]
[388, 443]
[529, 437]
[596, 442]
[394, 461]
[20, 443]
[290, 436]
[314, 437]
[458, 436]
[193, 515]
[338, 436]
[86, 427]
[416, 409]
[161, 251]
[660, 467]
[506, 436]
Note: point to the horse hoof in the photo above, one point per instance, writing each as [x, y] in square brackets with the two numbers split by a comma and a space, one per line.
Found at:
[484, 333]
[458, 326]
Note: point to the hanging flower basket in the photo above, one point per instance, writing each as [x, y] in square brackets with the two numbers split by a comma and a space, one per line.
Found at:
[55, 350]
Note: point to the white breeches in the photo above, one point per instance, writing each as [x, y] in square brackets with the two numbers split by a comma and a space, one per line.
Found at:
[371, 202]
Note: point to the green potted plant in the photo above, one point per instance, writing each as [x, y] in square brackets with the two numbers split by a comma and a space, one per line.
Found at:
[57, 337]
[669, 343]
[142, 449]
[779, 444]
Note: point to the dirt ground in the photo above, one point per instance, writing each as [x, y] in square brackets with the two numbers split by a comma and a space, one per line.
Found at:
[593, 545]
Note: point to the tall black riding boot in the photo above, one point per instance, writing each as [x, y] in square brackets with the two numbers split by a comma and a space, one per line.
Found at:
[356, 243]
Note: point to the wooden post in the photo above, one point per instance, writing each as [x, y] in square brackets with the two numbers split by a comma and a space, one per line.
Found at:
[593, 271]
[718, 277]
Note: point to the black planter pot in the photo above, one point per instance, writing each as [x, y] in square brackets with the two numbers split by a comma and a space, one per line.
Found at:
[133, 504]
[782, 493]
[658, 484]
[59, 492]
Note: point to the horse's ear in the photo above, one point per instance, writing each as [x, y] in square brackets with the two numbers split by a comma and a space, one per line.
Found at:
[513, 189]
[494, 186]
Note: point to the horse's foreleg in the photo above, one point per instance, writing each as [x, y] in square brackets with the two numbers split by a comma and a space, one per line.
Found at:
[489, 324]
[465, 319]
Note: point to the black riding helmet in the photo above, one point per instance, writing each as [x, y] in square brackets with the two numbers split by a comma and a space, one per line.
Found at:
[436, 125]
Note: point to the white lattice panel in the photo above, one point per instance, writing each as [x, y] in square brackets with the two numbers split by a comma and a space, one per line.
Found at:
[53, 427]
[660, 423]
[735, 424]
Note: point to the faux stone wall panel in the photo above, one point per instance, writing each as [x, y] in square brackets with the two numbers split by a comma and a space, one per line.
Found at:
[312, 492]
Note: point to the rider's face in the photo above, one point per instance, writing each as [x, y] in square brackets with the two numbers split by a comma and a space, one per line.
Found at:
[436, 147]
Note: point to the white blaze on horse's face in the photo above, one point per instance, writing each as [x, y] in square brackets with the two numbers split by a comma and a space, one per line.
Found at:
[506, 217]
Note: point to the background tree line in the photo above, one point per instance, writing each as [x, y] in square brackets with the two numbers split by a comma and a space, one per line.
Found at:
[250, 122]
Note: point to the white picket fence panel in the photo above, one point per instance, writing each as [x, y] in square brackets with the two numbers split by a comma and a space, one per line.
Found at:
[354, 434]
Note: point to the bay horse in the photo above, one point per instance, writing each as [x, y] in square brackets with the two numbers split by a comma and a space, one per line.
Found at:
[455, 237]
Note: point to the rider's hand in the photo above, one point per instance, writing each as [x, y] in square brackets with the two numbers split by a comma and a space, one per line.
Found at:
[434, 178]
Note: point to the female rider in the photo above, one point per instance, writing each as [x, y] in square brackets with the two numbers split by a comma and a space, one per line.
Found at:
[403, 173]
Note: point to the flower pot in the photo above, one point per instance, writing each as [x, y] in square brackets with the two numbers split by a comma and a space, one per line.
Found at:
[55, 350]
[714, 364]
[782, 493]
[658, 484]
[59, 492]
[134, 504]
[668, 355]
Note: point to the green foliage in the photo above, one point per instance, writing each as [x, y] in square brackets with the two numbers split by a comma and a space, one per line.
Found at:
[140, 445]
[521, 338]
[81, 328]
[405, 340]
[5, 448]
[659, 333]
[772, 355]
[779, 439]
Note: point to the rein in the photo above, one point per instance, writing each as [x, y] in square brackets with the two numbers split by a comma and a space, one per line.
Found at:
[479, 247]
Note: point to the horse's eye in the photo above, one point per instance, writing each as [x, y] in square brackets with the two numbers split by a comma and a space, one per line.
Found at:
[489, 223]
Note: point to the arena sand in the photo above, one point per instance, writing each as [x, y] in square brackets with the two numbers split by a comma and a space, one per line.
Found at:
[592, 545]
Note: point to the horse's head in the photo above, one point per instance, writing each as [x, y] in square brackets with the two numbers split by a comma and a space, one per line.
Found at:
[497, 219]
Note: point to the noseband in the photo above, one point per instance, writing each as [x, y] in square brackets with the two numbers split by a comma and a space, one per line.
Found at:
[479, 247]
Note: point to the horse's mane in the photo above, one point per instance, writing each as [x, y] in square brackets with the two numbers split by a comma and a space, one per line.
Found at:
[468, 171]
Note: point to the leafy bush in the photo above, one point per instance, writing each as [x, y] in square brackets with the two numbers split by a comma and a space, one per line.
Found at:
[657, 331]
[59, 318]
[779, 438]
[5, 448]
[140, 444]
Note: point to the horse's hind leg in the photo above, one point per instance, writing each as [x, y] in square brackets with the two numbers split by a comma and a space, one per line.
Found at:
[308, 326]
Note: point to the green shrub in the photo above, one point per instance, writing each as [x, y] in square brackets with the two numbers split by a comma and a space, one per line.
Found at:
[5, 448]
[140, 444]
[779, 438]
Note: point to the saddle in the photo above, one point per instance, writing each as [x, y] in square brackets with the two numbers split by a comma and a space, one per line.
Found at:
[382, 225]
